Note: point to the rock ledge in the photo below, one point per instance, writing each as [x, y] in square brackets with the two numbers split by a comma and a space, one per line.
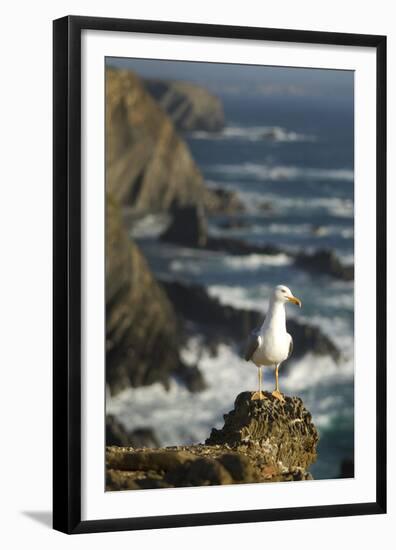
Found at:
[261, 441]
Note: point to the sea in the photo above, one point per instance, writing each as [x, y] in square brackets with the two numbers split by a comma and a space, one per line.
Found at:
[290, 160]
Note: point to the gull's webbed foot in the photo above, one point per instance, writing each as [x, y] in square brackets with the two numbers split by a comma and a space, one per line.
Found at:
[277, 394]
[257, 395]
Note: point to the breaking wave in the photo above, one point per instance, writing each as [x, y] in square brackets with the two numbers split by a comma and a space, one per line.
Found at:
[267, 172]
[254, 133]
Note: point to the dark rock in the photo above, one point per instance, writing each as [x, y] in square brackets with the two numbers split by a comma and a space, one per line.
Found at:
[142, 330]
[325, 262]
[239, 247]
[224, 201]
[222, 323]
[190, 106]
[191, 377]
[188, 227]
[144, 438]
[261, 441]
[118, 435]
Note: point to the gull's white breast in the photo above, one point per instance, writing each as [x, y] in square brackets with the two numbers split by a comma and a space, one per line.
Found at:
[273, 347]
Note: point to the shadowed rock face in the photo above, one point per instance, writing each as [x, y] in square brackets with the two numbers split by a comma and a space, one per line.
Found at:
[117, 434]
[148, 166]
[188, 227]
[142, 331]
[190, 106]
[261, 441]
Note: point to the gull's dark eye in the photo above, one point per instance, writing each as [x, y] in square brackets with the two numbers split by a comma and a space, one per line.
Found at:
[283, 290]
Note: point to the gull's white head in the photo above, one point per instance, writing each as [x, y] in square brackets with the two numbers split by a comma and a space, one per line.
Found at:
[283, 294]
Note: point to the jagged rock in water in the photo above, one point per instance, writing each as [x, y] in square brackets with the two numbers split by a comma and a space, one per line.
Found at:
[117, 434]
[284, 430]
[190, 106]
[188, 227]
[226, 201]
[261, 441]
[142, 330]
[144, 438]
[325, 262]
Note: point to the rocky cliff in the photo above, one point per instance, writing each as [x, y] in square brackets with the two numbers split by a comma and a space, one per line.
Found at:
[142, 332]
[261, 441]
[190, 106]
[148, 166]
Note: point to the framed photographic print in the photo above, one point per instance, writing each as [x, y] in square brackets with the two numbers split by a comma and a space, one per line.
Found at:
[219, 274]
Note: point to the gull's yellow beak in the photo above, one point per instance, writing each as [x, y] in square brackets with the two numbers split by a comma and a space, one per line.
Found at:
[294, 300]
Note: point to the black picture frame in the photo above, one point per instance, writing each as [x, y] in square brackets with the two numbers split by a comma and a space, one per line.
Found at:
[67, 273]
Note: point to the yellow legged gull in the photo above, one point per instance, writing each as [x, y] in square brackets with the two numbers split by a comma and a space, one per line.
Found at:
[271, 344]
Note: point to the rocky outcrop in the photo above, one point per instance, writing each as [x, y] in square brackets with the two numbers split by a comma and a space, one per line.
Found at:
[220, 323]
[325, 262]
[142, 331]
[187, 228]
[225, 201]
[261, 441]
[148, 166]
[190, 106]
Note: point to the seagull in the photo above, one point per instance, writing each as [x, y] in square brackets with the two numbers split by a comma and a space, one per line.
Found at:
[271, 344]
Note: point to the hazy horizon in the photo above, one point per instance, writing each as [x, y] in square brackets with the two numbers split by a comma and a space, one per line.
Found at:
[251, 79]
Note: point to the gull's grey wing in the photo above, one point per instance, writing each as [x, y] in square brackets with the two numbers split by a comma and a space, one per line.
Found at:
[252, 344]
[290, 346]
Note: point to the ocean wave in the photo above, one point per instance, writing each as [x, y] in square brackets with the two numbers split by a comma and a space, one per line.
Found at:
[241, 297]
[309, 229]
[254, 133]
[189, 417]
[268, 172]
[335, 206]
[255, 261]
[151, 225]
[312, 371]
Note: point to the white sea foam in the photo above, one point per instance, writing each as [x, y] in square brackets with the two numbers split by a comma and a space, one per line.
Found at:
[189, 417]
[241, 297]
[254, 133]
[268, 172]
[151, 225]
[255, 261]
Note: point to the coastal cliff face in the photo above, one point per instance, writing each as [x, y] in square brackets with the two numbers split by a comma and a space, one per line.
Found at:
[142, 332]
[148, 166]
[261, 441]
[190, 106]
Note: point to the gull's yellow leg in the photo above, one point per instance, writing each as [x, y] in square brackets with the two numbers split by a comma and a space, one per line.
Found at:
[258, 394]
[277, 394]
